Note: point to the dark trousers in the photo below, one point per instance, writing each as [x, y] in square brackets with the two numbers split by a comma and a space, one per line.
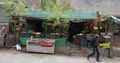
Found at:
[95, 51]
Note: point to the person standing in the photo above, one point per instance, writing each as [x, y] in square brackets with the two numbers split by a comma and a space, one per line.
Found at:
[95, 45]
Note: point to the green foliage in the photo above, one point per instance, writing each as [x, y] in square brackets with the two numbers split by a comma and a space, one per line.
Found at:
[3, 0]
[55, 9]
[14, 7]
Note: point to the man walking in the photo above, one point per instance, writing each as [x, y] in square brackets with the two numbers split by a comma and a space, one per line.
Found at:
[95, 45]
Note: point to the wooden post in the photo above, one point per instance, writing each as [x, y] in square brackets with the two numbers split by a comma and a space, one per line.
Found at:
[111, 48]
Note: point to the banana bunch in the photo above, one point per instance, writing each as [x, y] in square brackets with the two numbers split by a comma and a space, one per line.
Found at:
[95, 28]
[101, 27]
[101, 20]
[106, 36]
[105, 45]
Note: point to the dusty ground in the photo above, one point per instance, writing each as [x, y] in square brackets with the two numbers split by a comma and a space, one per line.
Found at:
[13, 56]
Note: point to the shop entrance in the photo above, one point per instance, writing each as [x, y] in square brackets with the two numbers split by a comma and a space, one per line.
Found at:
[35, 25]
[75, 28]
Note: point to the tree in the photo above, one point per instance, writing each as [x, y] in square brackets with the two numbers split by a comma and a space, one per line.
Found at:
[55, 10]
[14, 8]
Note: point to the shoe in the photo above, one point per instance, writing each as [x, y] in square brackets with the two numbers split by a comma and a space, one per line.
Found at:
[98, 61]
[87, 58]
[110, 57]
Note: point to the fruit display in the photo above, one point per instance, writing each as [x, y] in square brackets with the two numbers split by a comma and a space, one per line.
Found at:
[105, 45]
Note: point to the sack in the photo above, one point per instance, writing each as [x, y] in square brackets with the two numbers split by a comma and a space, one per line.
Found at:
[46, 44]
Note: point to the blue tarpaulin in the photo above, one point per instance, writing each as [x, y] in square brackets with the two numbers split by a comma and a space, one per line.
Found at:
[116, 19]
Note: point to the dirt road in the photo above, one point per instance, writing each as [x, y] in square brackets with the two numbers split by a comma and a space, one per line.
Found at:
[13, 56]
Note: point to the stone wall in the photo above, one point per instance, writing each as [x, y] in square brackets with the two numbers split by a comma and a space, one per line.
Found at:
[2, 40]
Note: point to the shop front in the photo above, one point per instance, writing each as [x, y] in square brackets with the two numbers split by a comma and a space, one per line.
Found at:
[38, 22]
[39, 29]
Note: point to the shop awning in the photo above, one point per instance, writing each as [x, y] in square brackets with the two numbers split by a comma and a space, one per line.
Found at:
[70, 15]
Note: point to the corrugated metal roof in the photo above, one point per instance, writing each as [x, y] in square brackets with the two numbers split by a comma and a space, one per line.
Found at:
[83, 15]
[37, 14]
[71, 15]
